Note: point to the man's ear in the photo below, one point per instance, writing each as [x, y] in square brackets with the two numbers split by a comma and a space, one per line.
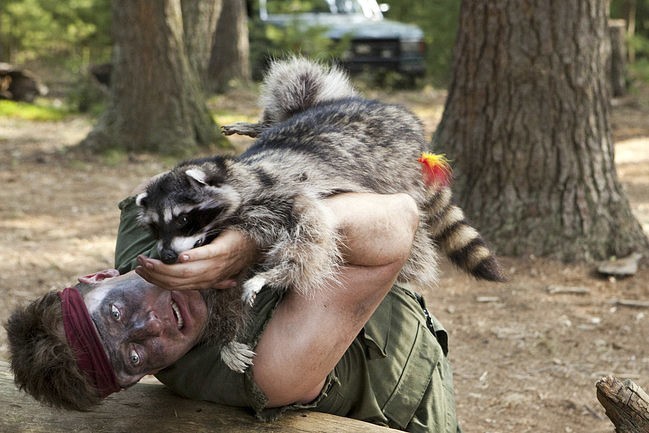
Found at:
[140, 200]
[99, 276]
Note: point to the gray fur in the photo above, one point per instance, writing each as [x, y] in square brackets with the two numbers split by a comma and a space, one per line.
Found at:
[316, 139]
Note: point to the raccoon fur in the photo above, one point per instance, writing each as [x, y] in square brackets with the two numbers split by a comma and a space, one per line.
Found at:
[291, 87]
[316, 139]
[297, 84]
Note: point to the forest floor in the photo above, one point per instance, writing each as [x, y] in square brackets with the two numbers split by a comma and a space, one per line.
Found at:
[525, 359]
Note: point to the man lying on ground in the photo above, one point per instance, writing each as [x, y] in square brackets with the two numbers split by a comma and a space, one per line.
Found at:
[362, 347]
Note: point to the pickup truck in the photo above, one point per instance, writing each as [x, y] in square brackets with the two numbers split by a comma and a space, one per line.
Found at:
[373, 42]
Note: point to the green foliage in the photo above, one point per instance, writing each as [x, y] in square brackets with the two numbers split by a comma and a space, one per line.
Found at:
[40, 111]
[72, 32]
[439, 20]
[639, 42]
[640, 70]
[272, 42]
[87, 96]
[297, 6]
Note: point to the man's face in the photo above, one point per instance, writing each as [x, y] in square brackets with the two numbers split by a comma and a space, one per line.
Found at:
[144, 328]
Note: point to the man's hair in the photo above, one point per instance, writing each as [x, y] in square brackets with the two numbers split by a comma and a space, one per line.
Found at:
[42, 362]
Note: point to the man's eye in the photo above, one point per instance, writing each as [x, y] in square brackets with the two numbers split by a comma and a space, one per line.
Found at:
[134, 358]
[114, 311]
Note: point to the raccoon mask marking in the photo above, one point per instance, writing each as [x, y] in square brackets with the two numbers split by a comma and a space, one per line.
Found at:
[184, 210]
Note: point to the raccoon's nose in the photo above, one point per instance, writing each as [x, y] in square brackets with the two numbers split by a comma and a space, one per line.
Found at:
[168, 256]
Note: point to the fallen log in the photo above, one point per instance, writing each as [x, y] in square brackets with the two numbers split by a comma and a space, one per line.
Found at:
[19, 84]
[152, 407]
[626, 404]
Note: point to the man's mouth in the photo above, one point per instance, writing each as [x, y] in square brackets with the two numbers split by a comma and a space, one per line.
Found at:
[179, 317]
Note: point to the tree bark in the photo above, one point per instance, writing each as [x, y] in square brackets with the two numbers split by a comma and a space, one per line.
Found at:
[157, 102]
[617, 66]
[631, 8]
[230, 58]
[526, 124]
[200, 20]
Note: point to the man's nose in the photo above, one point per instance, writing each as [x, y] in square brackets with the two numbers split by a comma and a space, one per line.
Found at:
[148, 326]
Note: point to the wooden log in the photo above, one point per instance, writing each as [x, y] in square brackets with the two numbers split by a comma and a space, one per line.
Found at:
[626, 404]
[19, 84]
[153, 408]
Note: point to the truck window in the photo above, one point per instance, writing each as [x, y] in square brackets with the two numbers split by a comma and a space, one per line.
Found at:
[297, 7]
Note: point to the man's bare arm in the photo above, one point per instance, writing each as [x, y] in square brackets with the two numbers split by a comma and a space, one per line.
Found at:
[307, 336]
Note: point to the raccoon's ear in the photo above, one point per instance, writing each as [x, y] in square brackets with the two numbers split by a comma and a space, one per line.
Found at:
[196, 175]
[140, 200]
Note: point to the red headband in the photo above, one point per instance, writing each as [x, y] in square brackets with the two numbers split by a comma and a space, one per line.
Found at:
[86, 344]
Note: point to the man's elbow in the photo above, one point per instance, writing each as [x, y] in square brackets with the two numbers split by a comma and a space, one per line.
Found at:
[410, 213]
[408, 223]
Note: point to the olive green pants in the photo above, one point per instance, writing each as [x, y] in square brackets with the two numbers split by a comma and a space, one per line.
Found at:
[395, 373]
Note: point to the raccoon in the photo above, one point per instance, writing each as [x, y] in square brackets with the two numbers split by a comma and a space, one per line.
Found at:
[316, 138]
[295, 85]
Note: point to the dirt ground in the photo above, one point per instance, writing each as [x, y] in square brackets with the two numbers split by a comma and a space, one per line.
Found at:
[525, 360]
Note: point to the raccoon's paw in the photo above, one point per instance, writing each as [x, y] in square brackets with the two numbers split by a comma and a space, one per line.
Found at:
[237, 356]
[242, 128]
[251, 288]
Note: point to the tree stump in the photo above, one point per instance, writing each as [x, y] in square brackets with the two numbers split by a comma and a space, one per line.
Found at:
[626, 404]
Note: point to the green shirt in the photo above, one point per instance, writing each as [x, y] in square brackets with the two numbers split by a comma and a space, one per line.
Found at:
[395, 373]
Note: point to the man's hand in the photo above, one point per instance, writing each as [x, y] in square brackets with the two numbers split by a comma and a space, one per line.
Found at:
[212, 266]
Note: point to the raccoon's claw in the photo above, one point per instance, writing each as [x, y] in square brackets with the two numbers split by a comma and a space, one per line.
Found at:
[237, 356]
[251, 288]
[249, 298]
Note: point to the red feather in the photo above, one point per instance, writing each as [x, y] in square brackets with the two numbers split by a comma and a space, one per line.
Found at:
[436, 169]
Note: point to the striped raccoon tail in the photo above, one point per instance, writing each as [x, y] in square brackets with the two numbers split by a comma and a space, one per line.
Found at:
[460, 242]
[296, 84]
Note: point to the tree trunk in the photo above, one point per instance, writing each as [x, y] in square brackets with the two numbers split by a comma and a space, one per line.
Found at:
[631, 8]
[200, 20]
[526, 124]
[617, 65]
[230, 54]
[157, 102]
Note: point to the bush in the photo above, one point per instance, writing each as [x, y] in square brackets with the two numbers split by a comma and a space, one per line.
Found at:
[271, 42]
[88, 96]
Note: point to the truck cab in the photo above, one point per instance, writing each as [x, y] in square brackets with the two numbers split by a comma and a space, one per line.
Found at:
[374, 43]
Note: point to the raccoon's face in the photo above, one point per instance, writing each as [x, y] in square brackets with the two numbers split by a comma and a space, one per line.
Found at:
[183, 211]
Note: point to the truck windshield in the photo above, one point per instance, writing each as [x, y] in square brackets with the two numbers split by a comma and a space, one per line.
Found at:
[365, 7]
